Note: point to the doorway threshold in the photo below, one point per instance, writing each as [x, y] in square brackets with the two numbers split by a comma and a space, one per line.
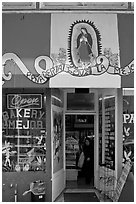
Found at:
[79, 190]
[78, 185]
[81, 195]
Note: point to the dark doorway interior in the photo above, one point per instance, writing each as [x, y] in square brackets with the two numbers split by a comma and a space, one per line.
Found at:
[79, 138]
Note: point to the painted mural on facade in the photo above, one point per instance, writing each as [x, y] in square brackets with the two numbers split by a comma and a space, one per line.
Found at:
[82, 50]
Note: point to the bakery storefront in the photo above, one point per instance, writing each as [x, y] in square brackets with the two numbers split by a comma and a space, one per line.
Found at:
[62, 84]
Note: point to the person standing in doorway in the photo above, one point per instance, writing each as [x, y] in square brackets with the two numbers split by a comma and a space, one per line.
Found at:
[88, 166]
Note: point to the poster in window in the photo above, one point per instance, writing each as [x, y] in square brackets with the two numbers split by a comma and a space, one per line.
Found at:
[57, 141]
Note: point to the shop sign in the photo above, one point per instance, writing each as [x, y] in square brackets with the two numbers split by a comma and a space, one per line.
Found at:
[29, 101]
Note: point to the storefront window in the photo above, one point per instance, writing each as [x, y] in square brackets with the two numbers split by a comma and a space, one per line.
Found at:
[23, 131]
[128, 128]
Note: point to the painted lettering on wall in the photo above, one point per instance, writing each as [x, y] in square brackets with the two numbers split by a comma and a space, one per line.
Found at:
[23, 119]
[128, 118]
[128, 126]
[101, 64]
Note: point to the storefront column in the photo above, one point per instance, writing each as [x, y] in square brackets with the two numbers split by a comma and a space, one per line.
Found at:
[118, 132]
[48, 147]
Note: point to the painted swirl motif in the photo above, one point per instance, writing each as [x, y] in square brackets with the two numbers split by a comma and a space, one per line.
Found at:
[15, 59]
[100, 65]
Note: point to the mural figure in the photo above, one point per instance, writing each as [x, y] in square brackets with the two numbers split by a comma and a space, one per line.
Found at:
[84, 45]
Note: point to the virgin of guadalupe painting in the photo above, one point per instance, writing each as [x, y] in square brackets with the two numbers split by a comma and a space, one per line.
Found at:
[83, 44]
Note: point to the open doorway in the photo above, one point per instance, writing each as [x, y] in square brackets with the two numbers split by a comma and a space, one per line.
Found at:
[79, 138]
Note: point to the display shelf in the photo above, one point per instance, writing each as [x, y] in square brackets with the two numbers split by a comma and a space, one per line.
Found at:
[110, 133]
[72, 148]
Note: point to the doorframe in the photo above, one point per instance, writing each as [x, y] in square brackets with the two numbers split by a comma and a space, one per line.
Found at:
[95, 112]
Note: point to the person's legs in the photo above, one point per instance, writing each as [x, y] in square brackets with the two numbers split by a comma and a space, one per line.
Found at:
[88, 174]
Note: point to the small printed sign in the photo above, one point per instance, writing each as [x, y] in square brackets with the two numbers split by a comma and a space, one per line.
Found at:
[23, 101]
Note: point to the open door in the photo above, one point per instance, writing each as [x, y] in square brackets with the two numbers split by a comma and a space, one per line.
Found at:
[80, 133]
[110, 139]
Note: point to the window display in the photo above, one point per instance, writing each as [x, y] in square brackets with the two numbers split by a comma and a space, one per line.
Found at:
[72, 148]
[128, 129]
[110, 132]
[23, 132]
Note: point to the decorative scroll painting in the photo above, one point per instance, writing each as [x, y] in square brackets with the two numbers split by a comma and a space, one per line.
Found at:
[81, 45]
